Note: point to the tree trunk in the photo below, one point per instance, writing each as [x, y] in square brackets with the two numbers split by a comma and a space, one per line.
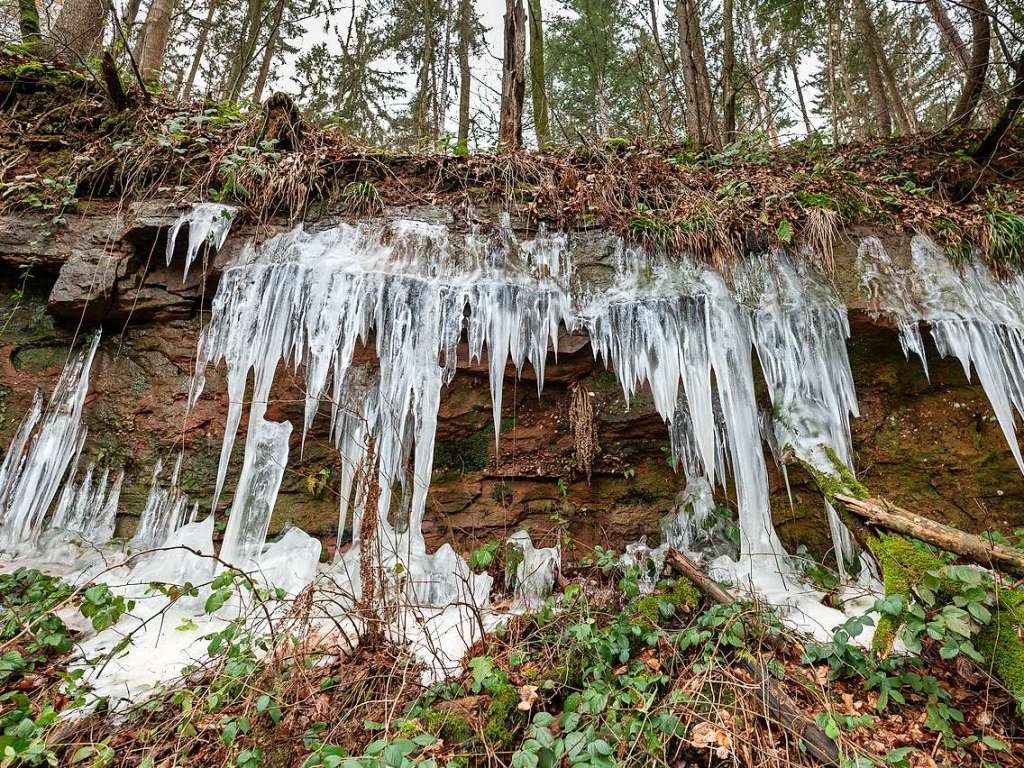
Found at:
[28, 23]
[830, 63]
[948, 32]
[709, 116]
[761, 95]
[465, 33]
[131, 16]
[204, 34]
[880, 512]
[513, 77]
[441, 98]
[268, 52]
[78, 30]
[795, 71]
[904, 115]
[702, 123]
[243, 55]
[421, 109]
[876, 86]
[664, 108]
[990, 143]
[728, 72]
[691, 109]
[158, 30]
[779, 707]
[538, 87]
[977, 68]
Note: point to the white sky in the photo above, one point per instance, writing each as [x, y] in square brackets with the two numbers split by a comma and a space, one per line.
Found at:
[486, 67]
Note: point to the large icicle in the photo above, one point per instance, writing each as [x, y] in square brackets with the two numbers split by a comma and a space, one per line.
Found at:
[313, 297]
[44, 449]
[266, 455]
[799, 330]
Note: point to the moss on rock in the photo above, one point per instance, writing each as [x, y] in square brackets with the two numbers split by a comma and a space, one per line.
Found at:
[681, 595]
[467, 454]
[500, 716]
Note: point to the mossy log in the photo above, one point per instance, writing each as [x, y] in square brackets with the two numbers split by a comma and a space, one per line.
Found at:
[779, 707]
[880, 512]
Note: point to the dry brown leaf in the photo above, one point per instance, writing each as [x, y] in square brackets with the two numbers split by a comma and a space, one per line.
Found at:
[711, 737]
[527, 698]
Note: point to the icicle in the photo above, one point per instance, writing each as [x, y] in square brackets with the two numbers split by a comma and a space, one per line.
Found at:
[799, 330]
[164, 512]
[88, 510]
[44, 449]
[534, 574]
[972, 316]
[208, 224]
[266, 454]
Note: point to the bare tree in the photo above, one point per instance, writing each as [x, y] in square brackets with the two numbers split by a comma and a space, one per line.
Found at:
[977, 67]
[513, 77]
[154, 45]
[538, 88]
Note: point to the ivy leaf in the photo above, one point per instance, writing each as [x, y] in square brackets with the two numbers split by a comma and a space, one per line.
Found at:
[979, 612]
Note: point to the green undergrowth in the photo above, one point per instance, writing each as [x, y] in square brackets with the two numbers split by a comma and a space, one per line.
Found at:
[929, 598]
[599, 675]
[958, 606]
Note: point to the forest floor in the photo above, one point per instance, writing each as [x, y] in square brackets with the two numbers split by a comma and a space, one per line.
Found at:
[598, 675]
[64, 142]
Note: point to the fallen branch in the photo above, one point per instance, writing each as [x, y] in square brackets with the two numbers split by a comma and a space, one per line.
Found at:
[778, 705]
[880, 512]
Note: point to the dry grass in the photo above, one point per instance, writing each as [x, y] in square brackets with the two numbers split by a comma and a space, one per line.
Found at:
[713, 206]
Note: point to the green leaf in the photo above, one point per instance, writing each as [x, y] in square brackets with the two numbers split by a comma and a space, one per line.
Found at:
[785, 231]
[979, 612]
[216, 600]
[993, 743]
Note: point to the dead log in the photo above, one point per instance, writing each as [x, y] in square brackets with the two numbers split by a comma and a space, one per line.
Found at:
[684, 566]
[778, 706]
[881, 513]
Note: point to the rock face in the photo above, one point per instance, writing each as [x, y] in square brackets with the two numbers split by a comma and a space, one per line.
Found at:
[932, 445]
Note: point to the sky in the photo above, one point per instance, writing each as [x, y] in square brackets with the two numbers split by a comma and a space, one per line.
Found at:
[485, 68]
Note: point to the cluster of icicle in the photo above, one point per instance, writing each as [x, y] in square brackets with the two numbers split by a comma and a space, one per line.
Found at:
[44, 508]
[42, 505]
[971, 314]
[426, 301]
[44, 452]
